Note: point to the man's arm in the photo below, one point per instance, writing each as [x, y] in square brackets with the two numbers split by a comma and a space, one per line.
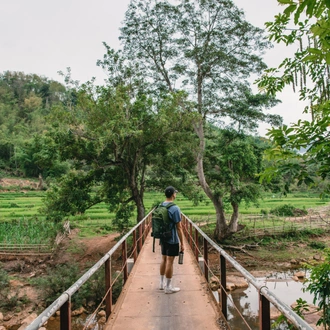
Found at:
[180, 234]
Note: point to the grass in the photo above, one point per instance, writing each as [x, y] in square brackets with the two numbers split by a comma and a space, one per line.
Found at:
[17, 206]
[27, 231]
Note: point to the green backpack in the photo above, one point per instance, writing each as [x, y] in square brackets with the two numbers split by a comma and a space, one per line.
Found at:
[161, 223]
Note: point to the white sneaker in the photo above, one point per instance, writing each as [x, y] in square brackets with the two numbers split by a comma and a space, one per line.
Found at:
[171, 289]
[161, 286]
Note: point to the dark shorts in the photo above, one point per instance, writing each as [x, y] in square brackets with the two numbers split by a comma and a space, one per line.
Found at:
[171, 250]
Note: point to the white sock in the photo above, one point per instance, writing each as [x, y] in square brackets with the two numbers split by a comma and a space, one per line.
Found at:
[168, 282]
[162, 278]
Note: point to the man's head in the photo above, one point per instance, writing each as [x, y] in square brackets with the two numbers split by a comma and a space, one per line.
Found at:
[170, 191]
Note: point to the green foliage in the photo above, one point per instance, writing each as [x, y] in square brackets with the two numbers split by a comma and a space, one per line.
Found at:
[25, 102]
[207, 50]
[73, 194]
[232, 162]
[4, 278]
[61, 277]
[317, 245]
[288, 210]
[28, 231]
[9, 300]
[57, 280]
[300, 308]
[111, 135]
[122, 218]
[319, 285]
[303, 147]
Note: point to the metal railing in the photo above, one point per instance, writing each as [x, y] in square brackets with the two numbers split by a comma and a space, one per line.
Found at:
[63, 303]
[192, 232]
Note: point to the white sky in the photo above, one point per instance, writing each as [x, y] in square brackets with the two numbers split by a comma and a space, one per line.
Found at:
[45, 37]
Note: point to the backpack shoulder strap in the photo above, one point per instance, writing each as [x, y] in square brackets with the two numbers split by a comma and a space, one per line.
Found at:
[169, 205]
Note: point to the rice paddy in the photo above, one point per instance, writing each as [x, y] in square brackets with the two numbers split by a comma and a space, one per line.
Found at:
[21, 210]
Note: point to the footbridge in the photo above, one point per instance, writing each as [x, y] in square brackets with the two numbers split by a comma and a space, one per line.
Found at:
[142, 305]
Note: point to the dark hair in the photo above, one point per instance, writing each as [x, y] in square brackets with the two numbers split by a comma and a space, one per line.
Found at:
[169, 191]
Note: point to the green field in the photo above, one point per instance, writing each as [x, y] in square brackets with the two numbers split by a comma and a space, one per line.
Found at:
[26, 205]
[17, 207]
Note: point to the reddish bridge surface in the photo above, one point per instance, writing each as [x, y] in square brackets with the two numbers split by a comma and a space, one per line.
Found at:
[143, 306]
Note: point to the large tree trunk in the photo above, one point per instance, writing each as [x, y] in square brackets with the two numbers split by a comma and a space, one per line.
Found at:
[140, 210]
[233, 225]
[221, 226]
[137, 194]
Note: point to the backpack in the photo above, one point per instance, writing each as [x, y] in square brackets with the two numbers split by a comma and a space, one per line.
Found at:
[161, 223]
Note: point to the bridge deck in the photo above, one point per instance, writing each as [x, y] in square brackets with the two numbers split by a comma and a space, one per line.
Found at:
[143, 306]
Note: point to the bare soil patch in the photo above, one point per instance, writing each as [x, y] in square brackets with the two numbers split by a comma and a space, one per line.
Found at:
[11, 184]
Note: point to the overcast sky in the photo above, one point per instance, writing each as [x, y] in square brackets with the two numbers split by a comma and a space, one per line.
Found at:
[45, 37]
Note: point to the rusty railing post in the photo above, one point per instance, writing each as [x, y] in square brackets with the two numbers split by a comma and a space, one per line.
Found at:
[223, 282]
[190, 235]
[143, 232]
[108, 297]
[65, 316]
[264, 312]
[124, 254]
[140, 238]
[134, 246]
[196, 244]
[186, 228]
[206, 270]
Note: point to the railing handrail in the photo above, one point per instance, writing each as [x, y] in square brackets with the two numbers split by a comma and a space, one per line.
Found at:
[65, 296]
[262, 289]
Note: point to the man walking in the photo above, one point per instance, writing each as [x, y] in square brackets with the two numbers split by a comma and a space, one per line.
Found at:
[171, 247]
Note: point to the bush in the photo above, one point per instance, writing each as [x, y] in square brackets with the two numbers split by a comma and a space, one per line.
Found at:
[288, 210]
[62, 277]
[57, 280]
[9, 300]
[317, 245]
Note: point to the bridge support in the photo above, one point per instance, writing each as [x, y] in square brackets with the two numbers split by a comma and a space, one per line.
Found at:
[65, 316]
[264, 309]
[108, 297]
[223, 282]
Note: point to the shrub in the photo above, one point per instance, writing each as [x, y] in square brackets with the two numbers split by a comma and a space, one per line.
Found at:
[62, 277]
[287, 210]
[57, 280]
[9, 300]
[317, 245]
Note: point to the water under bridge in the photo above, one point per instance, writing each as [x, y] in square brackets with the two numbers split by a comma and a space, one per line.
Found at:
[142, 305]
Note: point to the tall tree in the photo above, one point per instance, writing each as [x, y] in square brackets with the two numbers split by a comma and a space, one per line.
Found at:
[305, 24]
[111, 134]
[207, 49]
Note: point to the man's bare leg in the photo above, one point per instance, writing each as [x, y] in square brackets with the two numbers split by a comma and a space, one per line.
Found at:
[162, 272]
[169, 274]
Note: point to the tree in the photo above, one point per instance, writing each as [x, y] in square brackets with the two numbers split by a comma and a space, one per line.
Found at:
[231, 163]
[24, 106]
[306, 24]
[111, 135]
[208, 50]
